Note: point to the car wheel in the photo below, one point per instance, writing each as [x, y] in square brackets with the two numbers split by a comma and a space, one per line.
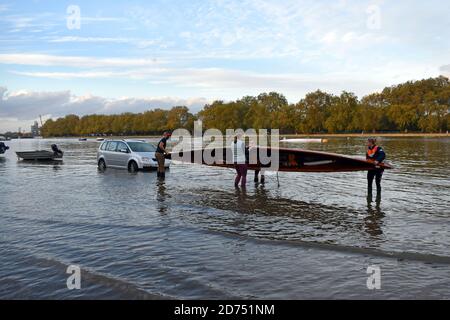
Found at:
[133, 167]
[102, 165]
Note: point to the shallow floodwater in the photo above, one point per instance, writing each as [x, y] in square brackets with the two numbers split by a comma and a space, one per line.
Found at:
[195, 236]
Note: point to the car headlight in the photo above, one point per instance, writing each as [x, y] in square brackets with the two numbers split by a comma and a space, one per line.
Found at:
[145, 159]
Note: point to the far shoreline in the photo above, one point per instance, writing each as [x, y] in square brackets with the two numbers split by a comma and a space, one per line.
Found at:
[290, 136]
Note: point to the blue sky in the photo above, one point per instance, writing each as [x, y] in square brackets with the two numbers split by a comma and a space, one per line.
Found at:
[136, 55]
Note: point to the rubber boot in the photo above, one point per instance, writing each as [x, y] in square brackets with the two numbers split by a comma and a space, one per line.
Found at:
[378, 199]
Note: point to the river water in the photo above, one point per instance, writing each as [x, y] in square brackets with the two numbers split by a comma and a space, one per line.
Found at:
[195, 236]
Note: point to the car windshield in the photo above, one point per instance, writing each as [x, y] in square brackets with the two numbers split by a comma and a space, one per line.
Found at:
[141, 147]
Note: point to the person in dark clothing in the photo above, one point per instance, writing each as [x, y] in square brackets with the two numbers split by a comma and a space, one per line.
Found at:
[161, 154]
[3, 148]
[263, 178]
[376, 154]
[57, 152]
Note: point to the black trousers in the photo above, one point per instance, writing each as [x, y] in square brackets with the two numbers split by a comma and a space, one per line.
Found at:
[376, 175]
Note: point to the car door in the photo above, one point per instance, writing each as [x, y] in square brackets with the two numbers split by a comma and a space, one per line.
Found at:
[102, 150]
[110, 154]
[122, 155]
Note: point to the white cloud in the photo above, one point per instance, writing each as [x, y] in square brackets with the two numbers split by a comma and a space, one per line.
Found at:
[233, 83]
[47, 20]
[89, 39]
[101, 19]
[13, 124]
[22, 22]
[130, 74]
[137, 42]
[445, 70]
[74, 61]
[4, 7]
[329, 37]
[68, 75]
[3, 90]
[26, 105]
[219, 82]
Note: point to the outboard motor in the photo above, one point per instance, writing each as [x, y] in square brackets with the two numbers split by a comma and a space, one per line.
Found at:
[3, 148]
[56, 150]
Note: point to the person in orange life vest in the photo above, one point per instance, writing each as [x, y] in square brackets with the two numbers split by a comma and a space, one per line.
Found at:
[376, 154]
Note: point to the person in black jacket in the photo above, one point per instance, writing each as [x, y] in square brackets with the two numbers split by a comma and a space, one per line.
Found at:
[376, 154]
[3, 148]
[160, 154]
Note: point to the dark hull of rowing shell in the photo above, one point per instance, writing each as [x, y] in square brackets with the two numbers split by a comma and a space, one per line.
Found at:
[290, 160]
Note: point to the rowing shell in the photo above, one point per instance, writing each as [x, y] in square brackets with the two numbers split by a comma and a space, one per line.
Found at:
[289, 160]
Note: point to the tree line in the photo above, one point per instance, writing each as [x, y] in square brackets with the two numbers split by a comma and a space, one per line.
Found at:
[414, 106]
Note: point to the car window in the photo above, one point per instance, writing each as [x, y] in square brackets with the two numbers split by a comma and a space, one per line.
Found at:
[141, 147]
[112, 146]
[103, 147]
[121, 146]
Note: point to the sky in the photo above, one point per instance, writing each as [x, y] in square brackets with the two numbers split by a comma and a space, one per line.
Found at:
[85, 57]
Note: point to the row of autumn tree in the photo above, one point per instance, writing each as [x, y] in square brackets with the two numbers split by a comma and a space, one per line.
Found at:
[420, 106]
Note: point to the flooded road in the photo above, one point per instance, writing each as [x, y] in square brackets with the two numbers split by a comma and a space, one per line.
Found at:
[195, 236]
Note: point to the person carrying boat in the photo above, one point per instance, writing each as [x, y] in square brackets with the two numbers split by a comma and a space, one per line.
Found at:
[376, 154]
[253, 158]
[160, 154]
[240, 161]
[263, 177]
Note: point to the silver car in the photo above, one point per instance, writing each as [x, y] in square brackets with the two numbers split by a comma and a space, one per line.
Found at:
[133, 155]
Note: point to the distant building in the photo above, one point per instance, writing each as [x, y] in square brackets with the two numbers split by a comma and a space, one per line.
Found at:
[35, 130]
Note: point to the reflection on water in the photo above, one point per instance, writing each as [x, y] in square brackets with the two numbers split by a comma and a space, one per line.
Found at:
[374, 219]
[194, 235]
[162, 196]
[261, 215]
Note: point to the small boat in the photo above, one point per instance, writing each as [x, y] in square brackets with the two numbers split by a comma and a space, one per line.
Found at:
[304, 140]
[41, 155]
[100, 139]
[82, 139]
[3, 148]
